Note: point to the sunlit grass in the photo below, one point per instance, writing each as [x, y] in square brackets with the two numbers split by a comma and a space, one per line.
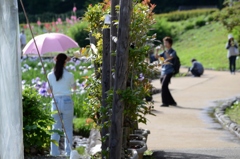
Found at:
[234, 112]
[206, 44]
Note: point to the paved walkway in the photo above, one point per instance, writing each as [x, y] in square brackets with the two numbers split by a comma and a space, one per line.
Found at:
[187, 128]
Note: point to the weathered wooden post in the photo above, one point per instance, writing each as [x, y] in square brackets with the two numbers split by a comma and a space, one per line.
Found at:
[121, 75]
[113, 44]
[106, 72]
[11, 127]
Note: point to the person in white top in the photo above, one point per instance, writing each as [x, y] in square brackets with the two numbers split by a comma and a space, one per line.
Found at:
[232, 53]
[23, 40]
[61, 82]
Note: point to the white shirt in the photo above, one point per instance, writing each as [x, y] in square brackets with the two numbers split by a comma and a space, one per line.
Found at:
[23, 39]
[63, 86]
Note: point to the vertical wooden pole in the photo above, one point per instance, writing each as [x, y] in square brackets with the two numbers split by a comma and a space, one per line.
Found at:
[106, 71]
[11, 126]
[121, 75]
[113, 44]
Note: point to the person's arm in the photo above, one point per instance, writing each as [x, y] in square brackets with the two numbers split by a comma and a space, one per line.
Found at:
[170, 56]
[236, 45]
[228, 45]
[74, 86]
[73, 83]
[193, 66]
[49, 90]
[48, 87]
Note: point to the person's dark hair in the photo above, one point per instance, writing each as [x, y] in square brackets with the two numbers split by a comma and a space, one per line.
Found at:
[168, 39]
[193, 60]
[58, 69]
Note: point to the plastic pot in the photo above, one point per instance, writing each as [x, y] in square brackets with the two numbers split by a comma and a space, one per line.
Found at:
[134, 154]
[143, 132]
[139, 146]
[137, 137]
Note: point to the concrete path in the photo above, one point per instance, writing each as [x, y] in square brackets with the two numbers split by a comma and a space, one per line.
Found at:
[188, 129]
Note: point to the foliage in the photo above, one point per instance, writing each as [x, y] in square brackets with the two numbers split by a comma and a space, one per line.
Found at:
[82, 126]
[79, 106]
[37, 122]
[161, 28]
[233, 112]
[185, 15]
[230, 18]
[142, 19]
[200, 22]
[79, 33]
[63, 6]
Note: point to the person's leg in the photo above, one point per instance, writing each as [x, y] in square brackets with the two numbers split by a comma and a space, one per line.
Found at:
[57, 126]
[68, 123]
[234, 63]
[167, 98]
[230, 64]
[195, 73]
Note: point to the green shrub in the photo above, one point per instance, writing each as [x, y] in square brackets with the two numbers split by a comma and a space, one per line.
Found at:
[200, 22]
[184, 15]
[189, 26]
[82, 126]
[161, 28]
[37, 122]
[79, 33]
[79, 106]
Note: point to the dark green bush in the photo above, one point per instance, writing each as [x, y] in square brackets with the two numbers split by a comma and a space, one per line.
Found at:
[79, 33]
[189, 26]
[200, 22]
[161, 28]
[184, 15]
[37, 122]
[82, 126]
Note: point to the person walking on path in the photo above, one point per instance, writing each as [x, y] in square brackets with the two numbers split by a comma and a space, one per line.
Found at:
[167, 71]
[196, 69]
[232, 53]
[61, 82]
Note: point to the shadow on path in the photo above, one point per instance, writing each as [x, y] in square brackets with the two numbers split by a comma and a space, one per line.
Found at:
[179, 155]
[180, 107]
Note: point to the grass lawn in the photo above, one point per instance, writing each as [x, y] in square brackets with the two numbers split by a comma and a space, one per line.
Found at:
[206, 44]
[234, 112]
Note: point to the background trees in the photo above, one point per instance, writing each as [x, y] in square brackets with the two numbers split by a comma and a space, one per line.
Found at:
[63, 6]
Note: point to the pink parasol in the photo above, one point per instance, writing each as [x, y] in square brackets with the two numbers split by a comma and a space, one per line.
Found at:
[50, 42]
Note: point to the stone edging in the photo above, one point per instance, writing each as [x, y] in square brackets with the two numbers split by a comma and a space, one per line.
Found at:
[224, 119]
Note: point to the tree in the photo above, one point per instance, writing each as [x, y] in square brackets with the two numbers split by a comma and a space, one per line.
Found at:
[121, 76]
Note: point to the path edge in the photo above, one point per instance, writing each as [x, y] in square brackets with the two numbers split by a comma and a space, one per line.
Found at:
[223, 119]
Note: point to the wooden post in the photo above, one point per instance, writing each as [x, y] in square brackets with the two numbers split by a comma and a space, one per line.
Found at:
[106, 71]
[121, 75]
[113, 44]
[11, 118]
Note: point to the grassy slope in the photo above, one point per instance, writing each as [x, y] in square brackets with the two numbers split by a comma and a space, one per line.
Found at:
[206, 44]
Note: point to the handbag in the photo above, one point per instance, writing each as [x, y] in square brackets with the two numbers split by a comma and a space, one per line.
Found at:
[236, 51]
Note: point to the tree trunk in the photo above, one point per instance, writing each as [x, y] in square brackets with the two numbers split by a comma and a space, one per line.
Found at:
[120, 78]
[11, 126]
[113, 44]
[106, 71]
